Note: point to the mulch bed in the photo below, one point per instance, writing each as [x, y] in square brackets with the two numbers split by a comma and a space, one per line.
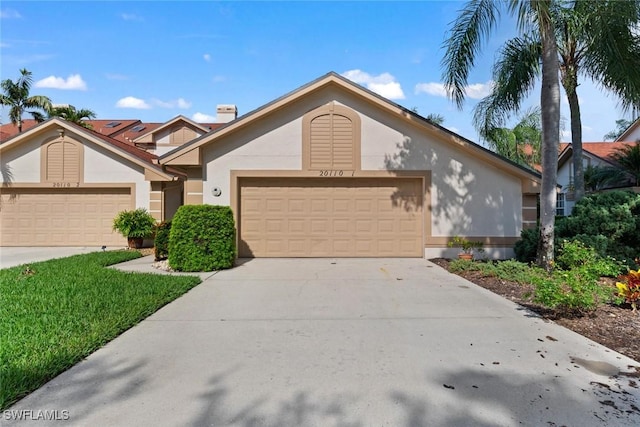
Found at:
[615, 327]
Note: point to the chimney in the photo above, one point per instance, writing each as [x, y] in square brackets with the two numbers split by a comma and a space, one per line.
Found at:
[226, 113]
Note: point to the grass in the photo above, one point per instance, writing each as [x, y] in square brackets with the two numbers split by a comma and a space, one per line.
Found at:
[59, 311]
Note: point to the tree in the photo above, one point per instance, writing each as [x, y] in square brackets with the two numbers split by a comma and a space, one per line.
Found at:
[628, 159]
[621, 126]
[16, 96]
[71, 114]
[468, 32]
[436, 119]
[521, 144]
[594, 39]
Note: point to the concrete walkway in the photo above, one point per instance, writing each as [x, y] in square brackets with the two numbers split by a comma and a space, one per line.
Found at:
[347, 342]
[12, 256]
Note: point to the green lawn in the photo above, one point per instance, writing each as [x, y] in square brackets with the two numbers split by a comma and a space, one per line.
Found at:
[60, 311]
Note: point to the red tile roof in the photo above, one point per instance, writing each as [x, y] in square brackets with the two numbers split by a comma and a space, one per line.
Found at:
[603, 150]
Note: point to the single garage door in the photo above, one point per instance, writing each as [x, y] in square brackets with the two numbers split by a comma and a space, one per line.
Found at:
[336, 217]
[61, 217]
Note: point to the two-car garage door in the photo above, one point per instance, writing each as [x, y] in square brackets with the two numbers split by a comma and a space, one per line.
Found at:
[61, 216]
[331, 217]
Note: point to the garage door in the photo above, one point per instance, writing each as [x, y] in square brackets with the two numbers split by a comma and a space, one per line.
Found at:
[64, 217]
[307, 217]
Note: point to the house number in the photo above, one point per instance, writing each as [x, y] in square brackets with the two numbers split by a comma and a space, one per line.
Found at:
[335, 173]
[65, 184]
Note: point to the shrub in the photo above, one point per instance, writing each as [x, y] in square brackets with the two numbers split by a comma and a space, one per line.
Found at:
[202, 238]
[609, 222]
[526, 248]
[572, 290]
[161, 242]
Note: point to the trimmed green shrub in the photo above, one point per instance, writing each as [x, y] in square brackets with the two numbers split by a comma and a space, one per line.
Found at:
[202, 238]
[608, 222]
[161, 242]
[526, 248]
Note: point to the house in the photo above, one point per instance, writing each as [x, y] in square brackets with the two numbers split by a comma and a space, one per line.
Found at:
[328, 170]
[596, 154]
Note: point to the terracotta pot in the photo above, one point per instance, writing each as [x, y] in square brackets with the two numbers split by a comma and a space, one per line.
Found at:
[135, 242]
[468, 257]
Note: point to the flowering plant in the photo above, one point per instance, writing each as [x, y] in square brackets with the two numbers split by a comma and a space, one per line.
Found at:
[629, 288]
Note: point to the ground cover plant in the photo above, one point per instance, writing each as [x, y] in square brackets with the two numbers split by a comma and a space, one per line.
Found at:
[55, 313]
[571, 296]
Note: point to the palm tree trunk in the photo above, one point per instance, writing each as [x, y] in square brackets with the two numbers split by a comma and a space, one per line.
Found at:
[550, 105]
[570, 83]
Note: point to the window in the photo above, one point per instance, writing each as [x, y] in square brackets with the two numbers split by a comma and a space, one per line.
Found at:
[560, 204]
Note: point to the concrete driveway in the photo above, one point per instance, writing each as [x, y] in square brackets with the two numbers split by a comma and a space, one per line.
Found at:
[347, 342]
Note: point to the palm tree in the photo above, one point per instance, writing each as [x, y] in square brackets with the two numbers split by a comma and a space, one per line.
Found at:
[628, 159]
[71, 114]
[468, 32]
[521, 144]
[621, 126]
[595, 39]
[16, 96]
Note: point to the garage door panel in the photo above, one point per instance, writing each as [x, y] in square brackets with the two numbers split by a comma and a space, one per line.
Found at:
[330, 217]
[61, 217]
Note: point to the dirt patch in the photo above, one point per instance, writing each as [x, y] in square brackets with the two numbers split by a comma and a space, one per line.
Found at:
[613, 326]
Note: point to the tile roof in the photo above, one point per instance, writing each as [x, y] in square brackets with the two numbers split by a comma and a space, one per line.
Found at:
[122, 132]
[603, 150]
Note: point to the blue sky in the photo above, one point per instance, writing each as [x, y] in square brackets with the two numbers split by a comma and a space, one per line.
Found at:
[154, 60]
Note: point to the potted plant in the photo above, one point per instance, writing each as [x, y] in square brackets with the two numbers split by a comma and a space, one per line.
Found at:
[466, 247]
[135, 225]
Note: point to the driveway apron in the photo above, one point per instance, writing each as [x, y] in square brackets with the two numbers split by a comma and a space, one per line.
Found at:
[343, 342]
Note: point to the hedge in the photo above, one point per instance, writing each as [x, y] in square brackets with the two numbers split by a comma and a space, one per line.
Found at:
[161, 242]
[202, 238]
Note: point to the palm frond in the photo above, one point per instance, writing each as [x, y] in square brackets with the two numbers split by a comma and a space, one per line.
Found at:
[514, 75]
[469, 31]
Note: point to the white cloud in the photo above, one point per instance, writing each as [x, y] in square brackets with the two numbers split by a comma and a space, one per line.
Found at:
[10, 14]
[218, 79]
[207, 57]
[473, 91]
[131, 17]
[203, 118]
[132, 102]
[384, 84]
[73, 82]
[436, 89]
[177, 103]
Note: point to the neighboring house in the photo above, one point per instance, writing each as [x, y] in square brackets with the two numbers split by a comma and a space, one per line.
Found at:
[334, 170]
[328, 170]
[62, 185]
[593, 154]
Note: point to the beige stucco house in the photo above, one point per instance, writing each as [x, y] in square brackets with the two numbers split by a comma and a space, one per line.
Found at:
[334, 170]
[328, 170]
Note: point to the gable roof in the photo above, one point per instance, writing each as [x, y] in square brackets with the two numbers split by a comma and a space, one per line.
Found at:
[332, 79]
[601, 150]
[628, 131]
[172, 122]
[140, 157]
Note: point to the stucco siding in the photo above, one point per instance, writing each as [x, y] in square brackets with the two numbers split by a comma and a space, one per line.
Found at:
[22, 163]
[461, 184]
[277, 148]
[101, 166]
